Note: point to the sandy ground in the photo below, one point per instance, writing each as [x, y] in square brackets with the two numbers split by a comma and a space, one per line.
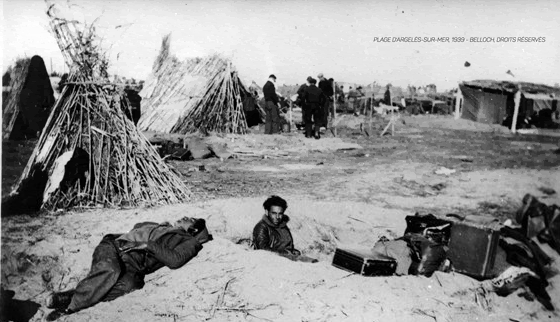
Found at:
[344, 198]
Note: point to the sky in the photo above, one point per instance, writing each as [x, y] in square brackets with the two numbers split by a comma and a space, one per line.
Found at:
[296, 39]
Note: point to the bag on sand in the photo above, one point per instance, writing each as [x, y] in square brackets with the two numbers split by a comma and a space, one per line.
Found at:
[397, 249]
[427, 255]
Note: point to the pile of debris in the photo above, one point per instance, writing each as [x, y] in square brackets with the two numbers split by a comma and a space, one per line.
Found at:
[507, 256]
[225, 146]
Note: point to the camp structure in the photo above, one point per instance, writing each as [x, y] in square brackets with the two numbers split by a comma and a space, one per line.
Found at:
[89, 153]
[27, 99]
[198, 94]
[504, 102]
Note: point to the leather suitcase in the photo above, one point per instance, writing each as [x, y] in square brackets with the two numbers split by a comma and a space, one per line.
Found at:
[364, 262]
[472, 249]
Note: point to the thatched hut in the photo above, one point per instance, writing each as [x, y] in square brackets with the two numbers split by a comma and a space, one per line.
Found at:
[89, 153]
[197, 94]
[27, 99]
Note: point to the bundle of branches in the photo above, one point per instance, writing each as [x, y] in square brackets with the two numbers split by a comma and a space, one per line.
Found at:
[90, 153]
[176, 88]
[220, 109]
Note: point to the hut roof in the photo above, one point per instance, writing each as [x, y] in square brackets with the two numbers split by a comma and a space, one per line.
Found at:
[512, 87]
[176, 89]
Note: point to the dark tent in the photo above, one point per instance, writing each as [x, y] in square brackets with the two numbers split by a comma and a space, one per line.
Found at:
[493, 102]
[482, 106]
[29, 99]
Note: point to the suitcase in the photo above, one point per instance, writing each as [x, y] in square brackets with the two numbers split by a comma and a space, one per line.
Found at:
[364, 262]
[472, 249]
[430, 226]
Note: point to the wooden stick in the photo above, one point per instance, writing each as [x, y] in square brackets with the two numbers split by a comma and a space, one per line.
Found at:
[334, 109]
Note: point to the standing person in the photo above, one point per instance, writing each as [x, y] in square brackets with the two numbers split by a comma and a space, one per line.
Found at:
[387, 97]
[121, 261]
[314, 101]
[272, 120]
[327, 89]
[300, 101]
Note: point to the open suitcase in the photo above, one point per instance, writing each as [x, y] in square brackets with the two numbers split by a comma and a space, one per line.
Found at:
[472, 249]
[364, 262]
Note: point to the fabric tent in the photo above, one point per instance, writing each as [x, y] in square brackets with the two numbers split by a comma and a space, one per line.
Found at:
[196, 94]
[482, 106]
[491, 101]
[28, 99]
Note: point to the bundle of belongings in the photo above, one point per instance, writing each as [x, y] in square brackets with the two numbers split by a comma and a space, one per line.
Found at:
[477, 246]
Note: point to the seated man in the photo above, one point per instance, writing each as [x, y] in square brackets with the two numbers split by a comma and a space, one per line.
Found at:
[121, 261]
[272, 232]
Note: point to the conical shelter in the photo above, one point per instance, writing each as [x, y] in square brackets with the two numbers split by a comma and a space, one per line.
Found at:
[89, 153]
[197, 94]
[28, 100]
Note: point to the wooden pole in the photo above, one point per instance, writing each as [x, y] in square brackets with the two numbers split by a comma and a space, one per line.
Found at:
[291, 120]
[517, 101]
[334, 108]
[371, 112]
[392, 122]
[458, 98]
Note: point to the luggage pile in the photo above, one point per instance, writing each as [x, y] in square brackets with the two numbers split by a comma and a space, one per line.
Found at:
[477, 246]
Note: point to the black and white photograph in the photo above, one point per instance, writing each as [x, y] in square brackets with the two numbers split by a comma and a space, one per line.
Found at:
[285, 160]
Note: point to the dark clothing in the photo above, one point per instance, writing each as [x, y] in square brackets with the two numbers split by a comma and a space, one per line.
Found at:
[300, 102]
[115, 273]
[269, 91]
[272, 118]
[134, 99]
[273, 238]
[387, 98]
[326, 87]
[314, 101]
[300, 92]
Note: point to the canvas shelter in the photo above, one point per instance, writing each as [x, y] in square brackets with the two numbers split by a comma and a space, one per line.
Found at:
[89, 153]
[27, 100]
[493, 102]
[196, 94]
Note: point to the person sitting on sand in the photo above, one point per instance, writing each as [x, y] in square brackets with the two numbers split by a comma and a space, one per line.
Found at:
[121, 261]
[272, 232]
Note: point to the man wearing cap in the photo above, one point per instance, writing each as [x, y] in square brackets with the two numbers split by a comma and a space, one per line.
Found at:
[272, 119]
[314, 100]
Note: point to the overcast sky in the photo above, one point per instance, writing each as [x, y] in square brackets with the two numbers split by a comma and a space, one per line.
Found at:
[296, 39]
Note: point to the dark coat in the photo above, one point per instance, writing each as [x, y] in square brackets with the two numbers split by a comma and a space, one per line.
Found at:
[273, 238]
[300, 92]
[313, 97]
[169, 246]
[326, 87]
[269, 91]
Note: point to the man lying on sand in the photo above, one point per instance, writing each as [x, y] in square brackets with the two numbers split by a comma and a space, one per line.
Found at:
[272, 232]
[121, 261]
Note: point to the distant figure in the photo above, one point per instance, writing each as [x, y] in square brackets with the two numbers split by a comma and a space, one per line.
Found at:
[272, 232]
[314, 100]
[134, 99]
[340, 97]
[272, 120]
[326, 87]
[300, 101]
[387, 96]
